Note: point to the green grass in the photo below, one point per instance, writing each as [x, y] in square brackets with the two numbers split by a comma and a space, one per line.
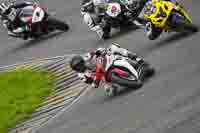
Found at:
[21, 91]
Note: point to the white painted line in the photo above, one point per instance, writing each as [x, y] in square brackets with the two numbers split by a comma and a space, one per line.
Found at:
[31, 59]
[47, 58]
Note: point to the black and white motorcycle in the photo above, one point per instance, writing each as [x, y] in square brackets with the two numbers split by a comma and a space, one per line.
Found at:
[38, 21]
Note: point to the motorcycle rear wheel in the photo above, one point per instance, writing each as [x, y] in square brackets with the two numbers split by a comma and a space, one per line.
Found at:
[184, 25]
[59, 25]
[145, 71]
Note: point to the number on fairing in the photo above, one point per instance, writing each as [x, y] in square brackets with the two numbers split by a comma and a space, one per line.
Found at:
[38, 15]
[113, 9]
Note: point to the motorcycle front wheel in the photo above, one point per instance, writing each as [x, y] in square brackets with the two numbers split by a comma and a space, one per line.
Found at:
[151, 31]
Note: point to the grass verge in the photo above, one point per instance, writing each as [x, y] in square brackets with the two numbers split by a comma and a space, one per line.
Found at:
[21, 91]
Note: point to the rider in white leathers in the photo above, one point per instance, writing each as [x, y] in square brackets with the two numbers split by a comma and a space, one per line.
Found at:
[92, 11]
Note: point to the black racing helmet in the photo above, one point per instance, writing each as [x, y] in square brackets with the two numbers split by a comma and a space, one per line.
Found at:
[77, 63]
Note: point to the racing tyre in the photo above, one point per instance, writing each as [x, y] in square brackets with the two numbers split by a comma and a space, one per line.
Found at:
[59, 25]
[183, 23]
[190, 27]
[111, 92]
[124, 81]
[146, 71]
[151, 31]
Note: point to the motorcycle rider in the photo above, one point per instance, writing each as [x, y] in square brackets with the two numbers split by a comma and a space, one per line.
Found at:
[9, 15]
[93, 11]
[91, 67]
[148, 9]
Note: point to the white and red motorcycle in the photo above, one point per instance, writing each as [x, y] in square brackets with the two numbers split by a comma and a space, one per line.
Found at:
[38, 20]
[122, 73]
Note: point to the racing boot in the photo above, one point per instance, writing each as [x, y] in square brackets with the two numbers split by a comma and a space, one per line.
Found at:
[106, 29]
[12, 34]
[106, 34]
[21, 32]
[23, 36]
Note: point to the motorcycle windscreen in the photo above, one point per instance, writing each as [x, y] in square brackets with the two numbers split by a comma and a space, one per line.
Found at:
[26, 13]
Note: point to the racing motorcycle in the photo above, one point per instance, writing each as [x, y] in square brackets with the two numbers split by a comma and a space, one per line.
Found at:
[166, 16]
[117, 15]
[121, 73]
[39, 22]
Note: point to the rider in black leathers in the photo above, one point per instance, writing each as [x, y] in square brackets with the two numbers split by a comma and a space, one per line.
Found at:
[9, 13]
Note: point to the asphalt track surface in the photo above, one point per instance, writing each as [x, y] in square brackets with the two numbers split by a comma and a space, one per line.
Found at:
[168, 103]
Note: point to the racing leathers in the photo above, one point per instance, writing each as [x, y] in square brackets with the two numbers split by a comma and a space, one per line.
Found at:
[97, 63]
[148, 9]
[93, 18]
[92, 12]
[12, 22]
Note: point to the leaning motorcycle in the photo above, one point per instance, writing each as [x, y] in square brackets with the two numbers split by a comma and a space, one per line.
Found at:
[166, 16]
[39, 22]
[121, 73]
[115, 16]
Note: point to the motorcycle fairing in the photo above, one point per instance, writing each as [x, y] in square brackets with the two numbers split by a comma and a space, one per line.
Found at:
[160, 13]
[123, 63]
[113, 9]
[38, 15]
[116, 70]
[26, 14]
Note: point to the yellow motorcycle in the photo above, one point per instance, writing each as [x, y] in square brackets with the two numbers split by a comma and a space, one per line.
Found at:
[165, 15]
